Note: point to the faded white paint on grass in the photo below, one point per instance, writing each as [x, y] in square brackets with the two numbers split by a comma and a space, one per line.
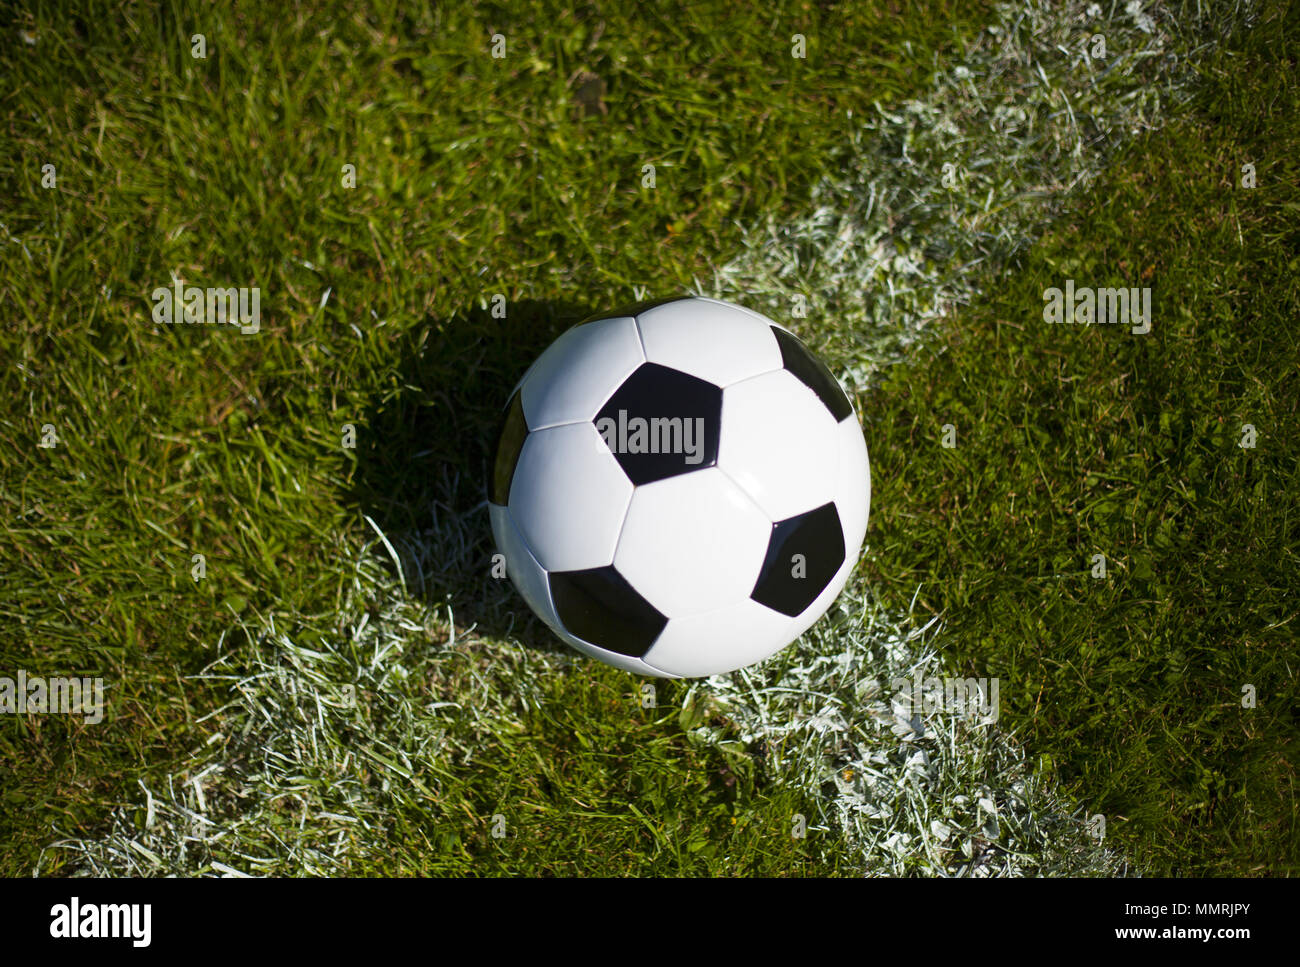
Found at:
[936, 196]
[286, 785]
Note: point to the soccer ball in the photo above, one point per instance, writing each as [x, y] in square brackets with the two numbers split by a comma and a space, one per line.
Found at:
[681, 488]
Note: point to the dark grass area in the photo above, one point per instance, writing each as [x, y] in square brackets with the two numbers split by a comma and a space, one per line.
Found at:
[1076, 441]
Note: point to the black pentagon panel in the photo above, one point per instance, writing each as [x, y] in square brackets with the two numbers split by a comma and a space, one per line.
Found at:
[600, 607]
[812, 372]
[802, 556]
[510, 443]
[632, 309]
[661, 423]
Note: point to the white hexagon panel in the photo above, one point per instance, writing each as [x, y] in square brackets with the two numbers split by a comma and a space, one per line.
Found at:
[715, 341]
[779, 443]
[691, 541]
[525, 573]
[738, 634]
[569, 497]
[853, 483]
[685, 505]
[579, 371]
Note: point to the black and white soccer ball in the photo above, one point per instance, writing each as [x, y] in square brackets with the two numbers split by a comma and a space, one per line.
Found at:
[681, 488]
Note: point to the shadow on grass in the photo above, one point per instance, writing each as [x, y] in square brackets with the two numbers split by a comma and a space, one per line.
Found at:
[425, 448]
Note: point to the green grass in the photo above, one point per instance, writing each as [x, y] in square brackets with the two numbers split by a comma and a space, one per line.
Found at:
[474, 177]
[477, 177]
[1073, 441]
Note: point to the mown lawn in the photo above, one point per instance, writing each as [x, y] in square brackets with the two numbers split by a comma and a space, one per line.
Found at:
[1073, 441]
[523, 177]
[474, 176]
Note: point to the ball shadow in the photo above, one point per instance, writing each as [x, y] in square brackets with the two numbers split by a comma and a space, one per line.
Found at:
[425, 448]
